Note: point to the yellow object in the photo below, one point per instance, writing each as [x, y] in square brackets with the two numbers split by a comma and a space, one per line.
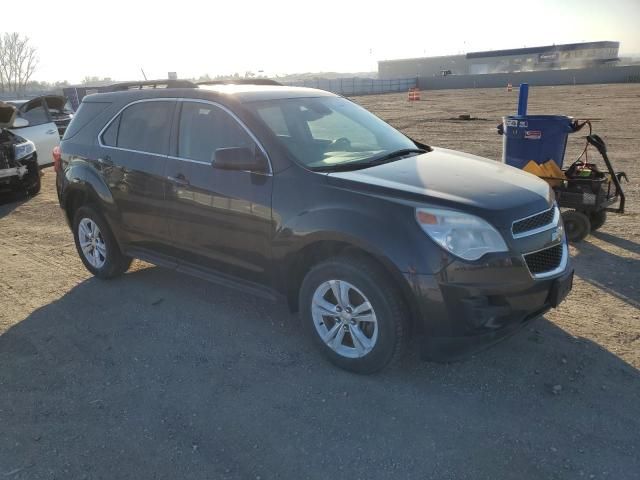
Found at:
[548, 171]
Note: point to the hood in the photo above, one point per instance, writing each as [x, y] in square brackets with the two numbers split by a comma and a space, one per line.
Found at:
[449, 178]
[7, 115]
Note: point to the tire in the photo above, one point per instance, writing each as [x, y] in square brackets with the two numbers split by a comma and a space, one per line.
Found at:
[597, 219]
[33, 180]
[34, 189]
[103, 258]
[577, 225]
[377, 341]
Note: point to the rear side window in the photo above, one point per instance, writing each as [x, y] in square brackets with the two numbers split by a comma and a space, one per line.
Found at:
[204, 128]
[86, 112]
[146, 127]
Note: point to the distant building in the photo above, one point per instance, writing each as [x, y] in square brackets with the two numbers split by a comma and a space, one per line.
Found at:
[572, 55]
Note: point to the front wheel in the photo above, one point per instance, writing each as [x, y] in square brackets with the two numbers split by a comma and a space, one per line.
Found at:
[34, 188]
[96, 245]
[33, 179]
[354, 314]
[577, 225]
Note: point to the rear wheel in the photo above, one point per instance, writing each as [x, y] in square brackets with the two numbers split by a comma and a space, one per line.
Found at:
[354, 314]
[577, 225]
[96, 245]
[597, 219]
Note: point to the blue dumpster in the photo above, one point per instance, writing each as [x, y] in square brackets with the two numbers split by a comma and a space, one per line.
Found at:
[534, 137]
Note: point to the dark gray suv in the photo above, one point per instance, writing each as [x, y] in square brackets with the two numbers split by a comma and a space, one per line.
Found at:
[300, 194]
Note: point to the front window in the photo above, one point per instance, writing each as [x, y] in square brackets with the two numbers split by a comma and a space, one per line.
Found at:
[324, 132]
[35, 113]
[205, 128]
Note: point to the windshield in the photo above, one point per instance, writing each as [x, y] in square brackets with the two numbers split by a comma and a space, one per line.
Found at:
[323, 132]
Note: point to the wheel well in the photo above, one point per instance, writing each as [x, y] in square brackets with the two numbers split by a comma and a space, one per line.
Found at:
[304, 260]
[74, 201]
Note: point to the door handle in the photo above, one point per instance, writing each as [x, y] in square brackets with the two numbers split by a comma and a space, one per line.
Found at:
[106, 161]
[51, 132]
[179, 179]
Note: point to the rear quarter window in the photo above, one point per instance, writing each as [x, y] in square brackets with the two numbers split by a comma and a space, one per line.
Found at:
[86, 112]
[110, 135]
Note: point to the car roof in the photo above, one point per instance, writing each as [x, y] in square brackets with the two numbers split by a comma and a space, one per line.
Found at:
[249, 93]
[238, 92]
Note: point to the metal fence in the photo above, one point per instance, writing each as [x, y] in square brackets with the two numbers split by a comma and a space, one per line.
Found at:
[358, 86]
[576, 76]
[23, 95]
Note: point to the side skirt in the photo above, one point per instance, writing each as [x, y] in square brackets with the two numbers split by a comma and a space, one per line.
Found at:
[206, 274]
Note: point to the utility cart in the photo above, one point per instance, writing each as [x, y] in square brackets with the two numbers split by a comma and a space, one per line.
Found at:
[584, 191]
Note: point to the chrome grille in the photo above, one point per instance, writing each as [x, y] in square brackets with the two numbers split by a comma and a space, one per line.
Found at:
[545, 260]
[521, 227]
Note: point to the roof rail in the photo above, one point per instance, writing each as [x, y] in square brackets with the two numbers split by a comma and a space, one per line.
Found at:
[242, 81]
[117, 87]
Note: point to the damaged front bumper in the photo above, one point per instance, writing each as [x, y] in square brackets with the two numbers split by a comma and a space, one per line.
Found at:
[19, 172]
[466, 308]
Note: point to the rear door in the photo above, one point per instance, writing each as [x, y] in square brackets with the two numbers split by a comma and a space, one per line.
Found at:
[42, 131]
[219, 219]
[133, 155]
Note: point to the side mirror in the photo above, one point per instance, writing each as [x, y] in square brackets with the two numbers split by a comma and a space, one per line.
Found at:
[239, 158]
[20, 122]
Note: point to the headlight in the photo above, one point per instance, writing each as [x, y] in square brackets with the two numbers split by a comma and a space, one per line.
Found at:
[25, 149]
[466, 236]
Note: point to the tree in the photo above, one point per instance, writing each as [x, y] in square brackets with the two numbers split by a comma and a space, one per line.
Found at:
[18, 61]
[92, 79]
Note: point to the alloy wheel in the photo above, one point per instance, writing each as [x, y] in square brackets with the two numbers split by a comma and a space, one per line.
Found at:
[344, 319]
[92, 243]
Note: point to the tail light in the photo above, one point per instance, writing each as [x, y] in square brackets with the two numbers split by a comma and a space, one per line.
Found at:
[57, 159]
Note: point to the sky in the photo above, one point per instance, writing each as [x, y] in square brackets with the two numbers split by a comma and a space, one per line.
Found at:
[117, 38]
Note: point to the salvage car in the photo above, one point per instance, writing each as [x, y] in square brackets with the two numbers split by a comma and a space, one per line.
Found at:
[48, 117]
[18, 158]
[300, 194]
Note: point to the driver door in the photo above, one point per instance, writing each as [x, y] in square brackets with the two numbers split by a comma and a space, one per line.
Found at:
[219, 219]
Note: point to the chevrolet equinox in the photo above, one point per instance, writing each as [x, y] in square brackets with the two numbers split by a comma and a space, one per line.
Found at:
[300, 194]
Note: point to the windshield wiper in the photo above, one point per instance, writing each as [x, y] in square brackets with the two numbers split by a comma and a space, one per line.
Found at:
[384, 158]
[369, 162]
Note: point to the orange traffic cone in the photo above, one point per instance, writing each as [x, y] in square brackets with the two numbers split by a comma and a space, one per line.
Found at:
[414, 94]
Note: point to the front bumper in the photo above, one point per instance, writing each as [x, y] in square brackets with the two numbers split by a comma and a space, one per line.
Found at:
[467, 307]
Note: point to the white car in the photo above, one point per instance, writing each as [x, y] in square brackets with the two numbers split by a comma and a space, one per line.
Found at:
[43, 121]
[18, 158]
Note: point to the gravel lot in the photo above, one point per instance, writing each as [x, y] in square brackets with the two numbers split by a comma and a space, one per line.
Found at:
[159, 375]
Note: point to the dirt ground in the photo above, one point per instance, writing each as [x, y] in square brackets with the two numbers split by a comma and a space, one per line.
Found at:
[159, 375]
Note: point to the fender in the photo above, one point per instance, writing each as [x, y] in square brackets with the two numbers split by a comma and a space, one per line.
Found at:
[352, 227]
[384, 229]
[81, 176]
[389, 243]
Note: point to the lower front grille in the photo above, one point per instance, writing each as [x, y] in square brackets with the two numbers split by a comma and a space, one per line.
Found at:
[546, 260]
